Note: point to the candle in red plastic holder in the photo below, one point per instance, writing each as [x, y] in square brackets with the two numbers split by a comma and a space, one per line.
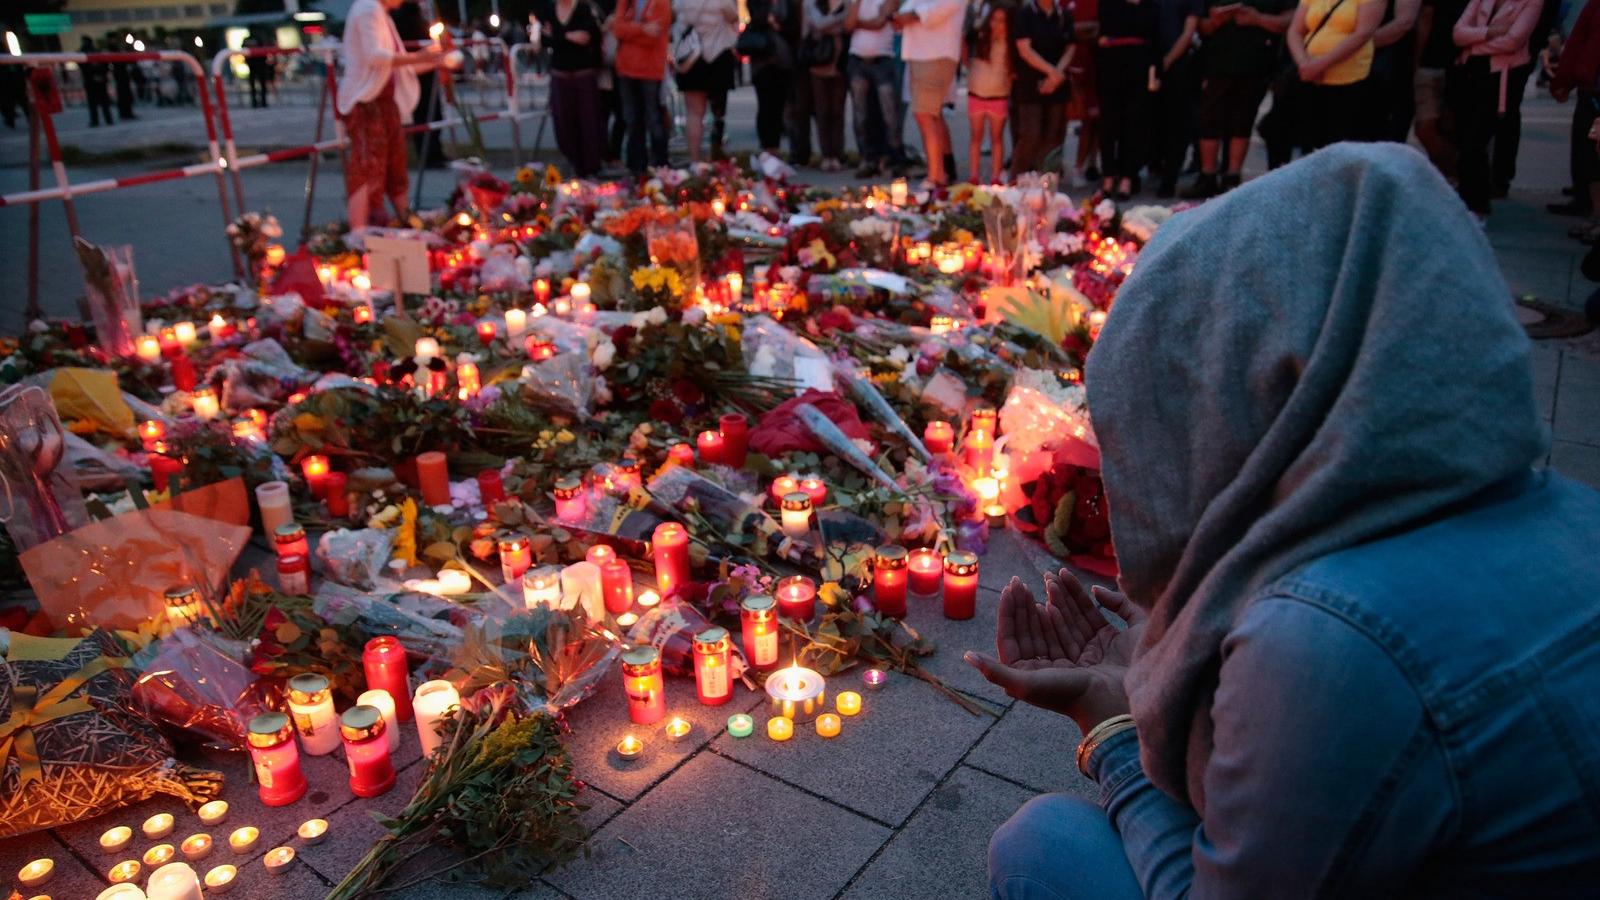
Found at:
[336, 495]
[150, 431]
[539, 347]
[491, 488]
[889, 580]
[279, 778]
[681, 454]
[979, 449]
[468, 381]
[366, 749]
[939, 437]
[290, 539]
[797, 598]
[960, 585]
[711, 447]
[616, 585]
[183, 374]
[541, 290]
[315, 468]
[486, 332]
[669, 546]
[816, 489]
[984, 418]
[516, 556]
[713, 672]
[170, 346]
[163, 467]
[570, 503]
[384, 660]
[433, 477]
[362, 314]
[625, 476]
[735, 431]
[927, 571]
[782, 486]
[294, 575]
[641, 681]
[600, 554]
[758, 621]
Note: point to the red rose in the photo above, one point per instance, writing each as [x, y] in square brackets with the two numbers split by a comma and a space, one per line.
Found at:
[665, 411]
[687, 392]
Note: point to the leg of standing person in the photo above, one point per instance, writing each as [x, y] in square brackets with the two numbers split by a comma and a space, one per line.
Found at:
[891, 112]
[1058, 847]
[565, 116]
[798, 114]
[1174, 107]
[977, 127]
[591, 156]
[1476, 103]
[997, 144]
[771, 96]
[637, 106]
[658, 125]
[396, 175]
[1027, 121]
[726, 66]
[1215, 93]
[861, 94]
[694, 103]
[1508, 132]
[827, 93]
[1427, 89]
[1055, 133]
[1116, 117]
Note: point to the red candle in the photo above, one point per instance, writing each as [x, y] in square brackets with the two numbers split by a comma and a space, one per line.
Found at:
[290, 539]
[641, 681]
[889, 581]
[711, 447]
[616, 585]
[486, 332]
[362, 314]
[669, 546]
[984, 418]
[315, 469]
[735, 430]
[183, 375]
[433, 476]
[384, 659]
[336, 495]
[797, 598]
[491, 488]
[366, 749]
[468, 381]
[783, 486]
[816, 490]
[539, 347]
[600, 554]
[276, 758]
[570, 505]
[150, 431]
[979, 447]
[939, 437]
[927, 571]
[713, 674]
[681, 454]
[163, 467]
[960, 585]
[541, 290]
[758, 621]
[516, 556]
[625, 476]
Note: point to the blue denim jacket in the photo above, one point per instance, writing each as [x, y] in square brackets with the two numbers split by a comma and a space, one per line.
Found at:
[1417, 716]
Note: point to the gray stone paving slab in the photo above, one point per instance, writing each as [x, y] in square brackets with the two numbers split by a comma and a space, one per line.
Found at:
[884, 761]
[599, 722]
[952, 638]
[719, 829]
[1577, 415]
[1577, 461]
[71, 877]
[299, 883]
[1035, 748]
[1012, 554]
[942, 851]
[351, 828]
[1579, 368]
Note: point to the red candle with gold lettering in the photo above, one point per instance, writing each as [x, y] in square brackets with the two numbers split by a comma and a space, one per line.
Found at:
[735, 430]
[433, 477]
[641, 681]
[816, 489]
[939, 437]
[336, 494]
[711, 445]
[960, 585]
[366, 749]
[616, 585]
[713, 672]
[758, 622]
[889, 581]
[927, 571]
[384, 660]
[570, 503]
[279, 778]
[669, 545]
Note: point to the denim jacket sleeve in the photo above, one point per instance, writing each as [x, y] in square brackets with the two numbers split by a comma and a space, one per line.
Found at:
[1325, 779]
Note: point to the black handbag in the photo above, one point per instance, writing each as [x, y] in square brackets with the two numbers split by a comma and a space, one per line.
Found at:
[819, 51]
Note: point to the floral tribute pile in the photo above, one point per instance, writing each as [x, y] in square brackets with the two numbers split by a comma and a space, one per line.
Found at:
[618, 414]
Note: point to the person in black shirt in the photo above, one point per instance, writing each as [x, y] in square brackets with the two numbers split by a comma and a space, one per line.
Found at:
[1039, 95]
[1239, 51]
[1438, 54]
[1394, 51]
[1177, 22]
[1127, 60]
[574, 33]
[412, 24]
[122, 75]
[94, 86]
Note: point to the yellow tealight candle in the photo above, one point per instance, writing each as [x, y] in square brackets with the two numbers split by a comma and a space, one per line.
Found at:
[159, 855]
[196, 846]
[780, 728]
[629, 748]
[37, 872]
[114, 840]
[220, 880]
[278, 860]
[312, 831]
[678, 728]
[158, 826]
[214, 813]
[125, 872]
[243, 839]
[828, 725]
[647, 599]
[849, 703]
[627, 620]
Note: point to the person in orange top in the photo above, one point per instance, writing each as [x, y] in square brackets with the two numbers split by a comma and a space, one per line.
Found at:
[642, 28]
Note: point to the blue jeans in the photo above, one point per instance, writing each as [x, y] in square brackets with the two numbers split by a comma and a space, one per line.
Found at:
[874, 101]
[1054, 834]
[641, 110]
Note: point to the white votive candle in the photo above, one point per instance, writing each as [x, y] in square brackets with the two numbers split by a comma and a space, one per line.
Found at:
[115, 840]
[384, 704]
[312, 831]
[175, 881]
[221, 879]
[516, 322]
[278, 860]
[158, 826]
[244, 838]
[433, 700]
[276, 508]
[213, 813]
[37, 872]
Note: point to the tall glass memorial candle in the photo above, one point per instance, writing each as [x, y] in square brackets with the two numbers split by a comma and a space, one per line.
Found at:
[985, 418]
[758, 622]
[516, 556]
[625, 476]
[279, 779]
[183, 605]
[642, 682]
[797, 598]
[889, 580]
[939, 437]
[570, 505]
[311, 705]
[276, 508]
[616, 586]
[366, 749]
[713, 671]
[433, 700]
[337, 495]
[433, 476]
[669, 545]
[816, 489]
[979, 449]
[960, 585]
[796, 514]
[541, 587]
[735, 430]
[384, 659]
[927, 571]
[384, 704]
[290, 539]
[491, 487]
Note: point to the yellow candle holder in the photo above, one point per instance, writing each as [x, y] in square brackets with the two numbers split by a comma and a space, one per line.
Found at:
[849, 703]
[780, 728]
[828, 725]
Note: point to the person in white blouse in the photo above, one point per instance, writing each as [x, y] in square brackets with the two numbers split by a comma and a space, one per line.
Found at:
[931, 46]
[378, 90]
[707, 80]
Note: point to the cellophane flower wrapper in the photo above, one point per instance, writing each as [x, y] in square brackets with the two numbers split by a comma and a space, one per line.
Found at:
[74, 745]
[728, 512]
[1040, 411]
[40, 499]
[355, 557]
[773, 351]
[563, 383]
[193, 686]
[261, 375]
[112, 286]
[866, 394]
[837, 442]
[427, 625]
[554, 658]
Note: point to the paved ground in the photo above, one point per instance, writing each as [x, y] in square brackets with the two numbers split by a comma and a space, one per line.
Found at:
[900, 805]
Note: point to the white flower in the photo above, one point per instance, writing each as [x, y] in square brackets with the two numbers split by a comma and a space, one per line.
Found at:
[694, 315]
[656, 316]
[38, 326]
[900, 355]
[604, 353]
[602, 392]
[1105, 209]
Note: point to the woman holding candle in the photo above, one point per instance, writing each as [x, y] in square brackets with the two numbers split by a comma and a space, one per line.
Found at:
[1321, 688]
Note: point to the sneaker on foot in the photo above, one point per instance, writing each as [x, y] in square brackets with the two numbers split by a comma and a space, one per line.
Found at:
[1204, 187]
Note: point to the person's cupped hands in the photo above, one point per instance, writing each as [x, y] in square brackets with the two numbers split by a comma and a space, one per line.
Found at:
[1064, 655]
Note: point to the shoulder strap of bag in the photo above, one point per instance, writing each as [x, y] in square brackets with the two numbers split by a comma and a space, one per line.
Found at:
[1325, 19]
